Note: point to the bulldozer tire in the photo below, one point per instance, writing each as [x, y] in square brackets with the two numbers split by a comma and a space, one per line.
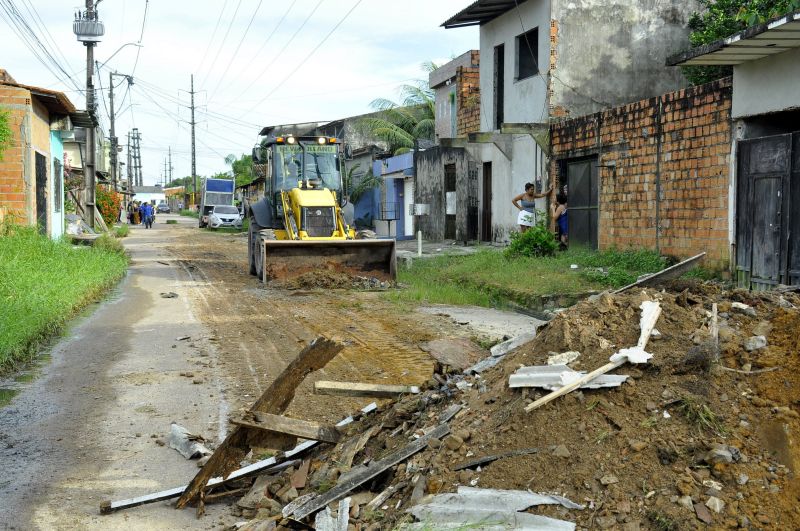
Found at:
[252, 240]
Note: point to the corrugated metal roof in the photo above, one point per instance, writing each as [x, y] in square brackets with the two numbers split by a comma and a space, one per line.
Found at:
[756, 42]
[480, 12]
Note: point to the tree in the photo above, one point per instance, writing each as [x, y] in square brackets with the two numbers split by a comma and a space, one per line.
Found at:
[6, 136]
[723, 18]
[401, 124]
[357, 188]
[241, 168]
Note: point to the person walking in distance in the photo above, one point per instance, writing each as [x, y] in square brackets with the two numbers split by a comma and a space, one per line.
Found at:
[148, 215]
[525, 203]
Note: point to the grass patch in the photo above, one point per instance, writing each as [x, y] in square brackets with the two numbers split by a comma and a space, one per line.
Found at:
[662, 522]
[44, 283]
[172, 222]
[189, 213]
[488, 278]
[122, 231]
[700, 416]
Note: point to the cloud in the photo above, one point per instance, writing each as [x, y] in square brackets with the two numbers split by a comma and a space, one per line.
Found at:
[378, 47]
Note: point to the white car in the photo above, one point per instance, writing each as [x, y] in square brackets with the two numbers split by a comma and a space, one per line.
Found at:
[225, 216]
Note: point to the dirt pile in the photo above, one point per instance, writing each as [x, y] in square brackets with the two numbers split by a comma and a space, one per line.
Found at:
[685, 442]
[326, 279]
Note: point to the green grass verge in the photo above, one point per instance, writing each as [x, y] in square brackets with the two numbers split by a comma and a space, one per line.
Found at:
[487, 278]
[189, 213]
[44, 283]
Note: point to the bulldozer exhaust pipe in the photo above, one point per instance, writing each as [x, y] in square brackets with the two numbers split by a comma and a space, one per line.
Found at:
[285, 259]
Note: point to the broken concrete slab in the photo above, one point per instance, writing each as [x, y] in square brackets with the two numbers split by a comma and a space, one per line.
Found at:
[187, 444]
[552, 377]
[458, 353]
[501, 349]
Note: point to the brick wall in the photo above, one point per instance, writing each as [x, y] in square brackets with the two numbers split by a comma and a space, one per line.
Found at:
[12, 183]
[679, 142]
[468, 94]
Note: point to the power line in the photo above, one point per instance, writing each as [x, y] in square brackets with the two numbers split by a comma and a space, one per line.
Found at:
[307, 57]
[269, 37]
[213, 35]
[141, 36]
[280, 52]
[222, 44]
[19, 25]
[238, 46]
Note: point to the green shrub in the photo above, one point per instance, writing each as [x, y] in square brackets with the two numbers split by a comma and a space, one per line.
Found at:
[535, 242]
[189, 213]
[106, 243]
[122, 231]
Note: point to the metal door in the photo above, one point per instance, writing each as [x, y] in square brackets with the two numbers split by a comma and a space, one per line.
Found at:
[472, 202]
[762, 217]
[41, 192]
[486, 206]
[582, 202]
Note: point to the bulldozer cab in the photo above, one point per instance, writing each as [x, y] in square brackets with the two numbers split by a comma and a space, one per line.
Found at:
[299, 162]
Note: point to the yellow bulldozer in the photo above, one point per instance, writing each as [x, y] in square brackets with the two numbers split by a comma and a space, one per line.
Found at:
[298, 227]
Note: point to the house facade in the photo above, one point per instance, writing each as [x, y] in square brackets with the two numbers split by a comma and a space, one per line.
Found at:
[541, 60]
[763, 175]
[32, 169]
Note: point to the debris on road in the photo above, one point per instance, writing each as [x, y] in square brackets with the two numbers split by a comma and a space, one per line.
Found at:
[673, 444]
[169, 295]
[325, 387]
[187, 444]
[553, 377]
[277, 423]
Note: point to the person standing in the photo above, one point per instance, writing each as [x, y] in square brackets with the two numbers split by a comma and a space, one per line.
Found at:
[526, 204]
[558, 211]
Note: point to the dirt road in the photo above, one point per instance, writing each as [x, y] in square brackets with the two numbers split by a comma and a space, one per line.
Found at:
[90, 427]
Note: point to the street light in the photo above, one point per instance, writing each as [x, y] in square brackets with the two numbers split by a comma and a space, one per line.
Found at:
[101, 65]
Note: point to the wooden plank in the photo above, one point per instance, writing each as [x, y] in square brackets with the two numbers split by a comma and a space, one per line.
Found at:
[666, 274]
[324, 387]
[492, 458]
[646, 324]
[275, 399]
[297, 427]
[369, 472]
[273, 463]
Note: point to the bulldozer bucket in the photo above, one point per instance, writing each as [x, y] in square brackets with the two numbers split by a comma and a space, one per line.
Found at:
[285, 259]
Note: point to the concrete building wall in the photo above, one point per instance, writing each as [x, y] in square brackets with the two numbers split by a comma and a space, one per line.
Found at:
[528, 162]
[664, 170]
[767, 85]
[608, 52]
[525, 99]
[446, 105]
[430, 190]
[56, 187]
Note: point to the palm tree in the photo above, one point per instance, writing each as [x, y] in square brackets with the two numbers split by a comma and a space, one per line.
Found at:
[400, 125]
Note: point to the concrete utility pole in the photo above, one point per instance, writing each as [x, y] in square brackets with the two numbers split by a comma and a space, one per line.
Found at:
[137, 158]
[170, 164]
[194, 167]
[88, 30]
[114, 141]
[130, 166]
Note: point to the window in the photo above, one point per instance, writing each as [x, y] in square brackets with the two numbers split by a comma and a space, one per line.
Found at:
[527, 54]
[58, 187]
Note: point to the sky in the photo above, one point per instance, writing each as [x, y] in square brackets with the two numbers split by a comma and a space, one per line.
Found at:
[255, 63]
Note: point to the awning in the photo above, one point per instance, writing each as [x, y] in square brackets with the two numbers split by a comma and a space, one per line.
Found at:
[755, 42]
[481, 12]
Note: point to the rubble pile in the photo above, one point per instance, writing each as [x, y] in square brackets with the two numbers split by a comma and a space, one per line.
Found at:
[331, 279]
[700, 434]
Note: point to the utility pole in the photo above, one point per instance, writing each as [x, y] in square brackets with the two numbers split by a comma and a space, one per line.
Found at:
[166, 172]
[194, 167]
[137, 158]
[88, 30]
[114, 140]
[170, 164]
[130, 166]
